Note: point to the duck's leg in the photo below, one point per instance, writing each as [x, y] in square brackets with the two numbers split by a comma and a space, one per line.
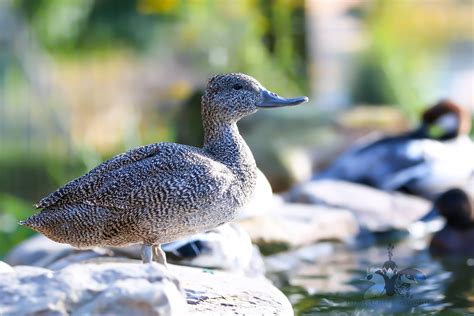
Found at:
[159, 254]
[147, 253]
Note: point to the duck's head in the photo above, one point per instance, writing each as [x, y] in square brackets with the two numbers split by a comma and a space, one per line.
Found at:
[230, 97]
[389, 268]
[445, 120]
[457, 207]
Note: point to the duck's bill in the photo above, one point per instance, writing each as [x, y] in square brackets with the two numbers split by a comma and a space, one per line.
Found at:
[273, 100]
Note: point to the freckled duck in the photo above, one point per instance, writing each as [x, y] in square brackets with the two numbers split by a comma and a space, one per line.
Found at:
[162, 192]
[427, 161]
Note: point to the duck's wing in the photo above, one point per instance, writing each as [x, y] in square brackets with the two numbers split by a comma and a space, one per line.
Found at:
[371, 163]
[86, 185]
[404, 177]
[413, 274]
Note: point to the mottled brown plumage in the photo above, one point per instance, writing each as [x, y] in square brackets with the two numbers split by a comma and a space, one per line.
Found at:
[162, 192]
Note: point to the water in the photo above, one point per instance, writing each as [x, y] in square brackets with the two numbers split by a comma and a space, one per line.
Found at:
[333, 283]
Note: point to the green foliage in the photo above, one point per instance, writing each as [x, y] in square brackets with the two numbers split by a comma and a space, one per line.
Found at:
[405, 40]
[263, 38]
[12, 210]
[24, 179]
[31, 176]
[270, 248]
[372, 85]
[85, 26]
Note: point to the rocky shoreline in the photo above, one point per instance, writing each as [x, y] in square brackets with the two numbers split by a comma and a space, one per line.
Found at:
[128, 287]
[44, 277]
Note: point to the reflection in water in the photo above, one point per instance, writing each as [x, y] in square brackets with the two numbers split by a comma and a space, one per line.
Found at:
[336, 283]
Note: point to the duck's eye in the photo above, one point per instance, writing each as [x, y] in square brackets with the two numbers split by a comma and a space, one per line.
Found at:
[237, 86]
[369, 277]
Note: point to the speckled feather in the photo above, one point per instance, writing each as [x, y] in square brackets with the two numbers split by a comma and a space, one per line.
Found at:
[162, 192]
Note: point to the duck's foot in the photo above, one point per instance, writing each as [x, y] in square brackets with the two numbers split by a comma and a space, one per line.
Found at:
[147, 254]
[159, 255]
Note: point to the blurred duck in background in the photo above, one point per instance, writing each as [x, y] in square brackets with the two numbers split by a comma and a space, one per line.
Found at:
[436, 156]
[457, 237]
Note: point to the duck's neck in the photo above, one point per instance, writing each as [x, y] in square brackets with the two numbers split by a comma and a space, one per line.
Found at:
[223, 142]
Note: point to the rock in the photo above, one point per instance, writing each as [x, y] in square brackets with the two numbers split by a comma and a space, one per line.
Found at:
[292, 225]
[40, 251]
[5, 268]
[220, 293]
[67, 258]
[132, 288]
[290, 260]
[228, 248]
[85, 289]
[316, 268]
[375, 210]
[34, 250]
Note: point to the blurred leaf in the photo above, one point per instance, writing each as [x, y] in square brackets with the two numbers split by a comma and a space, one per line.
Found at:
[12, 210]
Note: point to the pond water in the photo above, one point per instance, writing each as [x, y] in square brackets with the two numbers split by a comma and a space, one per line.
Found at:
[334, 283]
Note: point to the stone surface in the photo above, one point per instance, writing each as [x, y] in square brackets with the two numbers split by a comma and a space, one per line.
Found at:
[85, 289]
[220, 293]
[374, 209]
[5, 268]
[35, 250]
[227, 249]
[290, 260]
[132, 288]
[296, 225]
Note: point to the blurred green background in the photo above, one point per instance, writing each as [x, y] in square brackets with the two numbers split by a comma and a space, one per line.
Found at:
[82, 80]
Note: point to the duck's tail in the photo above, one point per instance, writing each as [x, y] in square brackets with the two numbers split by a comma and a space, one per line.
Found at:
[84, 226]
[33, 222]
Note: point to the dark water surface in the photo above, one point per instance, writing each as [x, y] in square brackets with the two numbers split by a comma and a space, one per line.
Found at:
[334, 283]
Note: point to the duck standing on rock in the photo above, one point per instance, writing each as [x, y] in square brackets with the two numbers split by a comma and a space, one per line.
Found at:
[162, 192]
[426, 161]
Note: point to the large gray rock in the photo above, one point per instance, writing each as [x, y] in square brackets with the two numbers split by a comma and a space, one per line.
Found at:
[85, 289]
[132, 288]
[35, 250]
[40, 251]
[221, 293]
[375, 210]
[295, 225]
[226, 248]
